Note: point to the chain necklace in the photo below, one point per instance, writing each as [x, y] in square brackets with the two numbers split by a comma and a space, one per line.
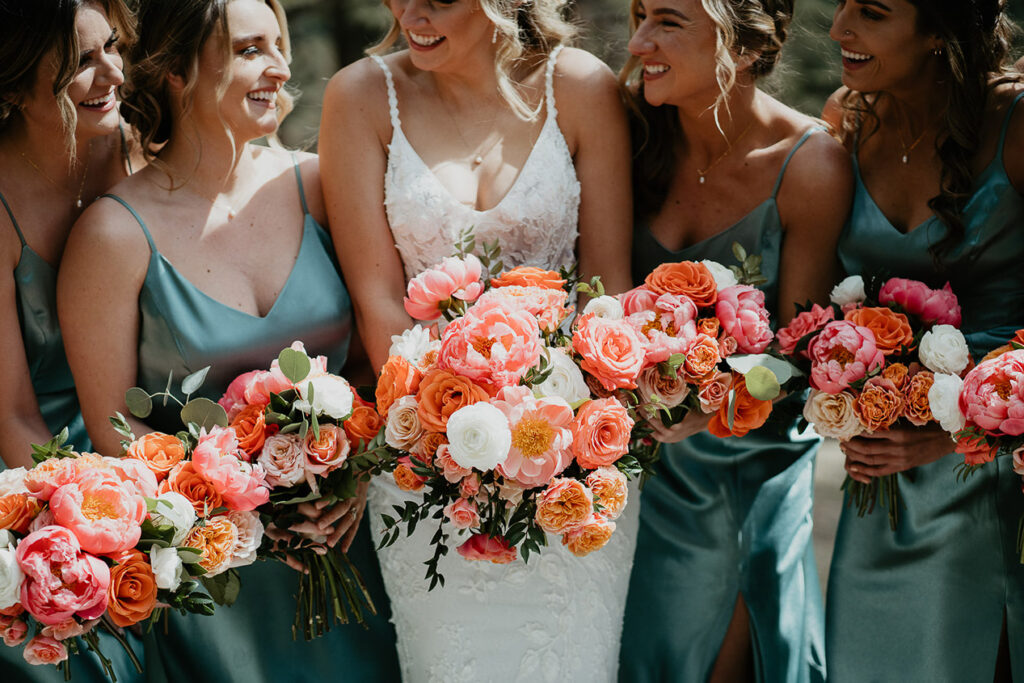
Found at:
[51, 181]
[702, 173]
[229, 209]
[907, 150]
[477, 154]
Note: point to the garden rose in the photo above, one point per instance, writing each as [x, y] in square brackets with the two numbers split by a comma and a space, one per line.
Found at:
[479, 437]
[841, 354]
[442, 393]
[541, 436]
[566, 504]
[748, 412]
[131, 594]
[160, 452]
[740, 310]
[805, 323]
[944, 401]
[600, 433]
[612, 351]
[702, 358]
[405, 478]
[528, 276]
[833, 415]
[215, 540]
[462, 514]
[403, 429]
[944, 349]
[891, 329]
[608, 485]
[17, 511]
[915, 398]
[687, 278]
[484, 548]
[283, 460]
[898, 374]
[103, 513]
[591, 536]
[327, 450]
[42, 650]
[714, 391]
[249, 537]
[654, 387]
[427, 447]
[879, 404]
[60, 580]
[430, 292]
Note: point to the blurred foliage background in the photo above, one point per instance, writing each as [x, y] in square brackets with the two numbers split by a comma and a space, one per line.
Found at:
[328, 34]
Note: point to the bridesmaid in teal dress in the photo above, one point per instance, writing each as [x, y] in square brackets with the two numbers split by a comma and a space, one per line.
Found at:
[57, 59]
[939, 599]
[724, 584]
[215, 255]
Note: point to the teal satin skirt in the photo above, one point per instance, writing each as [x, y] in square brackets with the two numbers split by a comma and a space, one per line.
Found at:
[724, 517]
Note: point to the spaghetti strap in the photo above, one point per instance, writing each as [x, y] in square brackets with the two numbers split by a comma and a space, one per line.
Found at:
[785, 164]
[302, 190]
[145, 230]
[392, 95]
[14, 222]
[549, 82]
[1006, 126]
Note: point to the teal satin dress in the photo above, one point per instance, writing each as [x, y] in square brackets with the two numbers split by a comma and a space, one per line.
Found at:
[36, 289]
[926, 602]
[724, 517]
[182, 330]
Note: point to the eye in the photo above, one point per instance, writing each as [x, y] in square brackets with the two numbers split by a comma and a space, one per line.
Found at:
[249, 51]
[870, 14]
[112, 43]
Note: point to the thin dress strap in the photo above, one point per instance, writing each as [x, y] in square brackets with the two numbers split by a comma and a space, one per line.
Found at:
[13, 221]
[549, 82]
[392, 95]
[785, 164]
[1006, 127]
[302, 190]
[145, 231]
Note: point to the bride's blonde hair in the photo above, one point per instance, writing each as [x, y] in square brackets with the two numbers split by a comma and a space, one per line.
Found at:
[526, 29]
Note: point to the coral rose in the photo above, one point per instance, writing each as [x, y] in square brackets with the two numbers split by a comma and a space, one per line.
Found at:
[43, 650]
[805, 323]
[17, 511]
[250, 427]
[702, 358]
[916, 406]
[215, 540]
[397, 379]
[992, 396]
[891, 329]
[879, 404]
[185, 480]
[936, 306]
[600, 433]
[613, 352]
[431, 292]
[748, 412]
[326, 451]
[541, 436]
[60, 580]
[593, 535]
[687, 278]
[441, 393]
[482, 547]
[132, 592]
[104, 514]
[740, 310]
[69, 629]
[841, 354]
[159, 452]
[566, 504]
[610, 491]
[462, 514]
[528, 276]
[364, 424]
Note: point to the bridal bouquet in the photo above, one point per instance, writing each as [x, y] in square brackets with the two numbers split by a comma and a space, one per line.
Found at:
[871, 358]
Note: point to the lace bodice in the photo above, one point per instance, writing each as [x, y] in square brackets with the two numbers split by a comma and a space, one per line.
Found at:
[535, 223]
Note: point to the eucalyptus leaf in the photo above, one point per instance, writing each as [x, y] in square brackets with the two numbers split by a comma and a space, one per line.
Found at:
[782, 369]
[204, 413]
[139, 402]
[739, 252]
[191, 384]
[294, 364]
[762, 384]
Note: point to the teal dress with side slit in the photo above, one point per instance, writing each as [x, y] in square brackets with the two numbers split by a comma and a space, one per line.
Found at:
[182, 330]
[727, 516]
[926, 602]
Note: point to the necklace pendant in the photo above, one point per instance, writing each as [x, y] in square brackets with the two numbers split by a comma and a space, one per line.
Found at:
[477, 160]
[906, 159]
[231, 214]
[78, 203]
[701, 180]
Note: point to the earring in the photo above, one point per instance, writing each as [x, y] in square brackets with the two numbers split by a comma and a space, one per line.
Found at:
[494, 36]
[937, 52]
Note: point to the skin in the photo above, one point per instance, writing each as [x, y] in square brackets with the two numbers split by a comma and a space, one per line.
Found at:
[451, 107]
[45, 208]
[903, 66]
[242, 262]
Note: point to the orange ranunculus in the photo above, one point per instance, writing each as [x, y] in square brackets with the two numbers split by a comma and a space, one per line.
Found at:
[687, 278]
[250, 427]
[441, 393]
[898, 374]
[216, 539]
[891, 329]
[406, 479]
[748, 412]
[709, 326]
[132, 590]
[160, 452]
[185, 480]
[364, 423]
[879, 404]
[702, 358]
[590, 537]
[915, 398]
[528, 276]
[17, 511]
[397, 379]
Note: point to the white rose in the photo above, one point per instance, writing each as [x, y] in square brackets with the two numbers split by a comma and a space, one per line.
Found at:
[250, 536]
[723, 276]
[565, 381]
[944, 349]
[332, 396]
[944, 401]
[175, 510]
[833, 415]
[13, 481]
[411, 345]
[403, 429]
[607, 307]
[167, 567]
[10, 576]
[479, 437]
[849, 291]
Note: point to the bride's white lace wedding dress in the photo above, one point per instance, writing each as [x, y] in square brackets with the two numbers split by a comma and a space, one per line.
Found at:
[558, 617]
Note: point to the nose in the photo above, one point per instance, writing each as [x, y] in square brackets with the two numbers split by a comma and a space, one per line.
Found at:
[411, 12]
[641, 43]
[110, 71]
[840, 24]
[278, 68]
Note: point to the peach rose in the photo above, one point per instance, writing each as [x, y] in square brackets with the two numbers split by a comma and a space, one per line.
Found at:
[470, 485]
[42, 650]
[702, 358]
[17, 511]
[879, 404]
[610, 491]
[104, 514]
[482, 547]
[184, 479]
[833, 415]
[528, 276]
[600, 433]
[46, 477]
[748, 412]
[564, 505]
[326, 452]
[462, 514]
[593, 535]
[160, 452]
[364, 424]
[891, 329]
[405, 478]
[655, 387]
[15, 633]
[916, 407]
[713, 392]
[132, 592]
[250, 427]
[441, 393]
[216, 540]
[451, 470]
[397, 379]
[686, 278]
[283, 459]
[897, 373]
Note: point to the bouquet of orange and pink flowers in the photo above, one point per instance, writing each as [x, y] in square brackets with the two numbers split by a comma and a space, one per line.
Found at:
[871, 359]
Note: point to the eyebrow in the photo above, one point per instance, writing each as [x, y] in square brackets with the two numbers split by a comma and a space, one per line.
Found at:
[113, 36]
[669, 10]
[875, 3]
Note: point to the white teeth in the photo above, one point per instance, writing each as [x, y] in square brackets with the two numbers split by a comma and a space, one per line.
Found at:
[855, 56]
[425, 41]
[99, 101]
[655, 68]
[263, 95]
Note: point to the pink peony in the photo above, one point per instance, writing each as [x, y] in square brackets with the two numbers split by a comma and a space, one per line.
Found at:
[547, 305]
[233, 399]
[637, 300]
[462, 514]
[937, 306]
[740, 310]
[104, 513]
[541, 436]
[42, 650]
[242, 486]
[454, 278]
[992, 396]
[483, 547]
[802, 325]
[60, 580]
[600, 433]
[841, 354]
[261, 384]
[613, 352]
[669, 327]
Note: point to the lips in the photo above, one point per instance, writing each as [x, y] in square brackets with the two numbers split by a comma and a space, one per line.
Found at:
[266, 97]
[422, 42]
[655, 70]
[854, 60]
[102, 103]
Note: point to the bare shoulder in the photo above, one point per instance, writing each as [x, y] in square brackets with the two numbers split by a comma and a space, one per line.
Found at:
[819, 178]
[1004, 97]
[108, 232]
[356, 99]
[587, 94]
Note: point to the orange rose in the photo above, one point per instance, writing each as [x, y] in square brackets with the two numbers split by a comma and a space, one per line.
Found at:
[527, 276]
[897, 373]
[17, 511]
[397, 379]
[250, 427]
[590, 537]
[566, 504]
[879, 404]
[687, 278]
[441, 393]
[364, 423]
[891, 329]
[215, 539]
[160, 452]
[915, 398]
[185, 480]
[702, 357]
[708, 326]
[975, 450]
[748, 412]
[132, 590]
[406, 479]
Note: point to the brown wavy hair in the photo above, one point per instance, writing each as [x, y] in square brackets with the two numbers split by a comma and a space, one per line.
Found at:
[977, 36]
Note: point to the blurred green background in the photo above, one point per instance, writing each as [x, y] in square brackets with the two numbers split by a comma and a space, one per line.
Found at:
[327, 34]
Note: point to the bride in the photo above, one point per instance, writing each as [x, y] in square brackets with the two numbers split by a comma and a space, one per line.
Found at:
[462, 130]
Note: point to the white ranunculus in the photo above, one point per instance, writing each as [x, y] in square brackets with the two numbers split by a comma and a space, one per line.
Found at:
[944, 402]
[10, 575]
[833, 415]
[723, 276]
[411, 344]
[13, 481]
[167, 567]
[479, 437]
[565, 381]
[250, 536]
[607, 307]
[849, 291]
[403, 429]
[332, 396]
[944, 349]
[175, 510]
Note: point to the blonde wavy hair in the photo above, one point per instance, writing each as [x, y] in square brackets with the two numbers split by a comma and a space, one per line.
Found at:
[526, 29]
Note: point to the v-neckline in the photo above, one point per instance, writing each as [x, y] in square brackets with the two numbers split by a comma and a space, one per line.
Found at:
[717, 235]
[26, 249]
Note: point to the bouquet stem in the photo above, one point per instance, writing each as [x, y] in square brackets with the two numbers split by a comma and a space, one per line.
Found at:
[865, 496]
[329, 592]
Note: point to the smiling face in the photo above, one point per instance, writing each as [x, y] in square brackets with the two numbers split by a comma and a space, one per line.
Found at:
[443, 33]
[882, 48]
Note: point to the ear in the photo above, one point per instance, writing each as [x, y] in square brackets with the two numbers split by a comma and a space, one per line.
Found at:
[176, 81]
[746, 58]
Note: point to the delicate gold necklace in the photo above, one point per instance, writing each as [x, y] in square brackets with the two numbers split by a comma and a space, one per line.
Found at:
[907, 150]
[51, 181]
[702, 173]
[477, 154]
[216, 201]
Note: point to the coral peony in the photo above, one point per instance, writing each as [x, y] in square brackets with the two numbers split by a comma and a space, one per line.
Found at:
[841, 354]
[992, 396]
[541, 436]
[46, 477]
[548, 306]
[242, 486]
[233, 399]
[104, 514]
[740, 310]
[430, 292]
[60, 580]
